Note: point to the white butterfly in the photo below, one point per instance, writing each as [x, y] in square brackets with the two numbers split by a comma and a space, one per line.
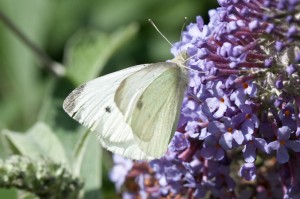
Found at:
[135, 111]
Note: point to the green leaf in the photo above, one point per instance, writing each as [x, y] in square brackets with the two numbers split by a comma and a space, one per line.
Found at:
[79, 151]
[88, 158]
[88, 51]
[8, 193]
[37, 142]
[19, 70]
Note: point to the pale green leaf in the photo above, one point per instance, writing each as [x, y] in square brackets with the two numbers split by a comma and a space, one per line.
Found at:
[88, 51]
[79, 151]
[88, 159]
[38, 142]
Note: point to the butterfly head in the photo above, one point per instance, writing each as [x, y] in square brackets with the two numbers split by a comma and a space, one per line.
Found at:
[181, 59]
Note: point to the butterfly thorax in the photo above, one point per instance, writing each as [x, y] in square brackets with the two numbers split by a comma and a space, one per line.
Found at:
[181, 60]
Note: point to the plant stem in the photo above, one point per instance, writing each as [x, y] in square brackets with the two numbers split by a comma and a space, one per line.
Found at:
[50, 64]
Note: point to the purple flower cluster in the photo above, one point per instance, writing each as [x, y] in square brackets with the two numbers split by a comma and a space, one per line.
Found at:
[240, 118]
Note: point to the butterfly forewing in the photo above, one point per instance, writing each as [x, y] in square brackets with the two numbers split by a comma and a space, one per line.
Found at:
[92, 104]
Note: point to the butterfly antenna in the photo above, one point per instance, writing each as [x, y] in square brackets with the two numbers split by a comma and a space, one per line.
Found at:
[185, 20]
[180, 50]
[153, 24]
[182, 28]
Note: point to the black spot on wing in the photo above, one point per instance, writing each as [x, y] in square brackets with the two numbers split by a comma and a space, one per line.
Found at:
[108, 109]
[139, 104]
[71, 101]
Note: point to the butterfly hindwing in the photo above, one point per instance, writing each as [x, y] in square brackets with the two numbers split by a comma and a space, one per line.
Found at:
[132, 87]
[152, 107]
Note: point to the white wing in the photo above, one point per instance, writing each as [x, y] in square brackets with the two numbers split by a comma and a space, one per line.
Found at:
[92, 104]
[152, 107]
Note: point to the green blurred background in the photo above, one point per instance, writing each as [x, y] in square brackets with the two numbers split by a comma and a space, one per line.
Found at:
[90, 38]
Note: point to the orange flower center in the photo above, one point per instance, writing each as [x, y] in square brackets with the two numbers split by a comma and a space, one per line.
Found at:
[287, 113]
[248, 116]
[245, 85]
[282, 142]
